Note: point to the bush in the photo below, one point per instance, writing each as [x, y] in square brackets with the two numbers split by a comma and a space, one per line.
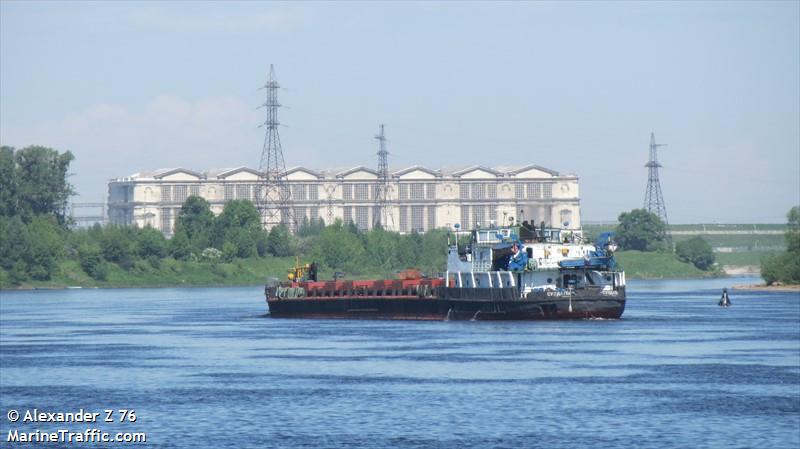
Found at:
[118, 245]
[151, 243]
[229, 252]
[91, 261]
[243, 240]
[697, 252]
[212, 254]
[784, 268]
[180, 247]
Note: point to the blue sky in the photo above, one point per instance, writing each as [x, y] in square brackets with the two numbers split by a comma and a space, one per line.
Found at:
[576, 87]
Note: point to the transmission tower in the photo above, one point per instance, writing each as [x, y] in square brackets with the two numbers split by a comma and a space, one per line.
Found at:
[653, 198]
[329, 190]
[384, 215]
[273, 196]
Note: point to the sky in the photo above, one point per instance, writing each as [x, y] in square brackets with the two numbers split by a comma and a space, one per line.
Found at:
[573, 86]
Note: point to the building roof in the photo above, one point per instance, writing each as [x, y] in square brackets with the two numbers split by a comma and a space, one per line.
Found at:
[339, 172]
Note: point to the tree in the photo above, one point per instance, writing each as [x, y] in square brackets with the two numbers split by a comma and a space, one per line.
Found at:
[151, 243]
[118, 244]
[180, 247]
[236, 214]
[33, 181]
[382, 249]
[310, 228]
[30, 251]
[46, 247]
[229, 252]
[91, 260]
[785, 267]
[793, 230]
[197, 220]
[13, 251]
[8, 183]
[696, 251]
[641, 230]
[244, 242]
[279, 241]
[339, 249]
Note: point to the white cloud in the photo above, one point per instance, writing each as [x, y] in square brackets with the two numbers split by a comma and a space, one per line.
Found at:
[111, 141]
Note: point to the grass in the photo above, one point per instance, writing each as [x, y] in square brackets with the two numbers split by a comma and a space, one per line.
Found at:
[744, 258]
[753, 242]
[657, 265]
[170, 272]
[751, 247]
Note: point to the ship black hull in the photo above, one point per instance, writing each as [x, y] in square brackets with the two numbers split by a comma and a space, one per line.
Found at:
[458, 304]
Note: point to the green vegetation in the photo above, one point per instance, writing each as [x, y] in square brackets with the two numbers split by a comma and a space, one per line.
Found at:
[697, 252]
[657, 265]
[727, 227]
[641, 230]
[785, 267]
[33, 182]
[734, 245]
[645, 253]
[743, 258]
[39, 250]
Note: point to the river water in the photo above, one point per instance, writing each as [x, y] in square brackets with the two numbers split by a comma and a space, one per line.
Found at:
[207, 368]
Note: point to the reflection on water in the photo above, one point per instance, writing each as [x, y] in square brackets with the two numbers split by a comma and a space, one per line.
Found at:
[208, 368]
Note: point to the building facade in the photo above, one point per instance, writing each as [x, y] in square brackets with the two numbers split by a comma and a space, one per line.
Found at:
[419, 198]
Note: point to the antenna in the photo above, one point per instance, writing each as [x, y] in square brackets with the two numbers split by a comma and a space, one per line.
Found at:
[383, 215]
[273, 198]
[653, 198]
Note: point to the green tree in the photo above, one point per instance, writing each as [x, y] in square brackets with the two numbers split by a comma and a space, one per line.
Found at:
[14, 248]
[279, 241]
[339, 249]
[236, 214]
[244, 242]
[46, 247]
[229, 252]
[30, 251]
[381, 249]
[8, 183]
[180, 247]
[785, 267]
[310, 228]
[641, 230]
[197, 220]
[91, 260]
[151, 243]
[35, 183]
[793, 230]
[118, 245]
[696, 251]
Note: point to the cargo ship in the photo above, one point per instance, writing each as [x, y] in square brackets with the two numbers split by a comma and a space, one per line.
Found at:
[497, 273]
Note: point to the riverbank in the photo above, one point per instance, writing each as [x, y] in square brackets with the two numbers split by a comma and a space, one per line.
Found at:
[659, 265]
[256, 271]
[768, 288]
[167, 273]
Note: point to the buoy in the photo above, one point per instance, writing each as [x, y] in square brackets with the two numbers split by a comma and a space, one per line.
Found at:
[725, 301]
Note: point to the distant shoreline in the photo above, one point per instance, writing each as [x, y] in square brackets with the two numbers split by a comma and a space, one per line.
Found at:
[768, 288]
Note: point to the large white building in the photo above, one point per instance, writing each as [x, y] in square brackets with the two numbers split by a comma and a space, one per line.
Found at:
[420, 198]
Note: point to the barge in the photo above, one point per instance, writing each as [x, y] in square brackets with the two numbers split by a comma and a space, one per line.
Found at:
[497, 273]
